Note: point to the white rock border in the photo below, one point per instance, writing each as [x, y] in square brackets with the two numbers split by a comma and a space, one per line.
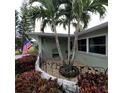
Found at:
[69, 86]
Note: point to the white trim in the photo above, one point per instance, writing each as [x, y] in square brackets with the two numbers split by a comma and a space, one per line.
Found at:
[87, 42]
[106, 44]
[101, 26]
[92, 36]
[82, 38]
[104, 34]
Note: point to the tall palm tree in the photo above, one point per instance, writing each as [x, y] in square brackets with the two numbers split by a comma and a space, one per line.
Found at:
[82, 10]
[34, 13]
[67, 12]
[49, 14]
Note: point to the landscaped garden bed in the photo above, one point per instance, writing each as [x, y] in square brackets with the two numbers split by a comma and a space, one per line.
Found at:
[32, 82]
[69, 71]
[25, 63]
[93, 83]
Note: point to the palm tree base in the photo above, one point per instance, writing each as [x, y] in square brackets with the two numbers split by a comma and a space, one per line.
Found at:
[69, 71]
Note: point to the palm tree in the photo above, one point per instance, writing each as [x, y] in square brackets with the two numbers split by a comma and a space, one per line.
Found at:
[82, 10]
[80, 14]
[49, 14]
[67, 12]
[34, 13]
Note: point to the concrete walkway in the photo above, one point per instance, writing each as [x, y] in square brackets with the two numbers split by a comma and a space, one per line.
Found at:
[18, 56]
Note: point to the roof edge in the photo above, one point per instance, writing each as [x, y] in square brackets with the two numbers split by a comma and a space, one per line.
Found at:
[100, 26]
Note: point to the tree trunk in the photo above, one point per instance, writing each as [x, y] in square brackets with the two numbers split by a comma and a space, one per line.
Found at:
[74, 48]
[41, 25]
[69, 42]
[75, 42]
[58, 45]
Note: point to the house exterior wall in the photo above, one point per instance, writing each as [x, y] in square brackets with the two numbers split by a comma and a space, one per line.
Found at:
[93, 59]
[49, 44]
[46, 44]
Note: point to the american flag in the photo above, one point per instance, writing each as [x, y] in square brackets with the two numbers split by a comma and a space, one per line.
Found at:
[27, 45]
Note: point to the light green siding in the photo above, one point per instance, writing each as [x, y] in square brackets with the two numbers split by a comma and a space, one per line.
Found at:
[49, 44]
[93, 59]
[46, 44]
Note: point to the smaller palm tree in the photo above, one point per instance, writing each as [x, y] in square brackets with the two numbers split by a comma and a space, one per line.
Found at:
[68, 18]
[49, 13]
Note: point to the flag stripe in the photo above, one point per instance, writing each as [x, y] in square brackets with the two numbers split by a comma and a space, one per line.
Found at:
[26, 46]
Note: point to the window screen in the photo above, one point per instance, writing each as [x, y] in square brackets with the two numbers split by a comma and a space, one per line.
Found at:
[82, 45]
[97, 45]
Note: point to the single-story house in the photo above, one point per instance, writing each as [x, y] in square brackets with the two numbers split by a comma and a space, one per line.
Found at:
[92, 47]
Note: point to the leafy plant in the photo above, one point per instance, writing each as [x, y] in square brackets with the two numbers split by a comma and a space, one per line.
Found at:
[25, 63]
[31, 82]
[93, 83]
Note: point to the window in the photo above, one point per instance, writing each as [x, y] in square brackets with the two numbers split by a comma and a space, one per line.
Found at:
[55, 53]
[71, 45]
[82, 45]
[97, 45]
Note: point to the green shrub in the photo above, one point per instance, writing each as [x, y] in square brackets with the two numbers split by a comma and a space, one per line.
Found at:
[33, 50]
[17, 52]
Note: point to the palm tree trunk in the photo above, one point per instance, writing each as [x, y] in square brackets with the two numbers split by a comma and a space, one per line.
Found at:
[74, 48]
[58, 45]
[69, 42]
[75, 43]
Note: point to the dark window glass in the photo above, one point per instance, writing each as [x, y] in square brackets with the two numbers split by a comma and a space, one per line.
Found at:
[82, 45]
[71, 45]
[97, 45]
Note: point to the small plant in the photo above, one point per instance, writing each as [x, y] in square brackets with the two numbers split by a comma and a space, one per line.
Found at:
[25, 63]
[93, 83]
[31, 82]
[33, 51]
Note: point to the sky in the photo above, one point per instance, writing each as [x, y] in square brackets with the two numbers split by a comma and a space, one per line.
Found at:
[95, 20]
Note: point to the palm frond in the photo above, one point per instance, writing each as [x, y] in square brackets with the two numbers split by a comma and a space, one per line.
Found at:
[74, 24]
[97, 6]
[44, 23]
[81, 9]
[85, 19]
